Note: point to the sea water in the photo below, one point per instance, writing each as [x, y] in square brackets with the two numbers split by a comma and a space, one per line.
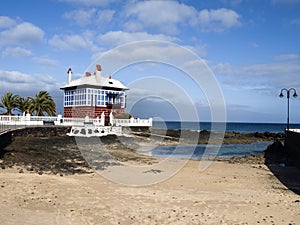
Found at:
[200, 151]
[228, 150]
[229, 126]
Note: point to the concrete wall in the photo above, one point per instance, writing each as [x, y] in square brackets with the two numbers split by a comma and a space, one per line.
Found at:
[292, 143]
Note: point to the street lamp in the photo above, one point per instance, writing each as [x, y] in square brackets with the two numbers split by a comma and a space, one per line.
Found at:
[288, 102]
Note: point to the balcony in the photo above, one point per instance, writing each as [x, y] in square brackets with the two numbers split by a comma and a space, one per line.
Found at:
[114, 106]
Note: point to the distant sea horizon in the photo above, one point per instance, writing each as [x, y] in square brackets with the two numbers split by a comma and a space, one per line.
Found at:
[241, 127]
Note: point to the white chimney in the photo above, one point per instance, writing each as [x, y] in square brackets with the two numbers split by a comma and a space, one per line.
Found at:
[69, 75]
[98, 73]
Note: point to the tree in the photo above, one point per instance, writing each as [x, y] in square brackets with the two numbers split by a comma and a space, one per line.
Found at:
[41, 104]
[9, 102]
[23, 104]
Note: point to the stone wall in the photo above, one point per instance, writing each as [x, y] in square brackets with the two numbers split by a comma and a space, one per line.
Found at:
[5, 139]
[45, 131]
[292, 143]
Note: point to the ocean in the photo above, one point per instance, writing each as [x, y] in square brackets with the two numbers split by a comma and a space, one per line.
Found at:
[225, 151]
[230, 126]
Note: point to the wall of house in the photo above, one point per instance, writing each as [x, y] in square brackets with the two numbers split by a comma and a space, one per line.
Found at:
[292, 143]
[92, 112]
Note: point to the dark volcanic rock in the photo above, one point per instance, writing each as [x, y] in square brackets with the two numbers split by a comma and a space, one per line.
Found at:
[276, 153]
[50, 150]
[55, 154]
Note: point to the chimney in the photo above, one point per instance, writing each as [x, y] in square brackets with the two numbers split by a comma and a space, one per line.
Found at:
[69, 75]
[98, 73]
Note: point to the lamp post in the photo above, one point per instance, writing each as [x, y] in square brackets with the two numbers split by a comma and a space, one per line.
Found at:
[288, 92]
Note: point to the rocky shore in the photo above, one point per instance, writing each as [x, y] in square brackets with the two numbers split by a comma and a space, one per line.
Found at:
[50, 150]
[203, 136]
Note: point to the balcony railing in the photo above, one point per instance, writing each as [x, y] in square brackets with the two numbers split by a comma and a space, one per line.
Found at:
[113, 106]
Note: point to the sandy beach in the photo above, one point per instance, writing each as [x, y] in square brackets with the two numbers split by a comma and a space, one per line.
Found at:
[224, 193]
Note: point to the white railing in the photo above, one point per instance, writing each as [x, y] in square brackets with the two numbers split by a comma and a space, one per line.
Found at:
[28, 120]
[295, 130]
[132, 122]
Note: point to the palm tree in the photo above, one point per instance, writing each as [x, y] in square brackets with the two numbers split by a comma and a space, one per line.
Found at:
[23, 104]
[41, 104]
[8, 102]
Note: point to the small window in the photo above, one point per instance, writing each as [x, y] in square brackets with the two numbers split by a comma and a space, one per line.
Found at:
[110, 82]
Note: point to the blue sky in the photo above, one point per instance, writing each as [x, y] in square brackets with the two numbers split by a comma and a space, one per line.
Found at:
[251, 46]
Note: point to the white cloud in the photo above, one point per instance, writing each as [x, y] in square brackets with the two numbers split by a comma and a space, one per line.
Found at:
[279, 70]
[159, 51]
[71, 42]
[16, 52]
[104, 16]
[81, 17]
[46, 61]
[254, 45]
[84, 17]
[6, 22]
[145, 14]
[22, 34]
[296, 22]
[218, 19]
[222, 68]
[260, 77]
[286, 57]
[115, 38]
[19, 82]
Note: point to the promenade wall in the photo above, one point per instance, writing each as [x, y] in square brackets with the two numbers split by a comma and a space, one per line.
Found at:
[6, 137]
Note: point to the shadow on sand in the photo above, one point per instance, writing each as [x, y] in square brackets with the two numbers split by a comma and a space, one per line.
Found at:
[282, 166]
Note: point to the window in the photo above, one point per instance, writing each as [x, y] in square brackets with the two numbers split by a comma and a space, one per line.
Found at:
[92, 97]
[75, 97]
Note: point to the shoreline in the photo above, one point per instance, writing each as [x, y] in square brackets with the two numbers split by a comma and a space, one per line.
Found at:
[202, 137]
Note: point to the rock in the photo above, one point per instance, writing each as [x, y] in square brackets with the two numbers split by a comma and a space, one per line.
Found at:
[276, 153]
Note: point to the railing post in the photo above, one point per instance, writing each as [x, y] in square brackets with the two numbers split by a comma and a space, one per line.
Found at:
[150, 122]
[111, 118]
[131, 121]
[102, 119]
[59, 119]
[27, 119]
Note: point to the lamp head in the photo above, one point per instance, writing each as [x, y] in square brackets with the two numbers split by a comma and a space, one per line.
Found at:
[295, 95]
[281, 95]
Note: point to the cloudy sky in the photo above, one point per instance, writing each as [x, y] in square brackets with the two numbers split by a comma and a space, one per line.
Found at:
[251, 49]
